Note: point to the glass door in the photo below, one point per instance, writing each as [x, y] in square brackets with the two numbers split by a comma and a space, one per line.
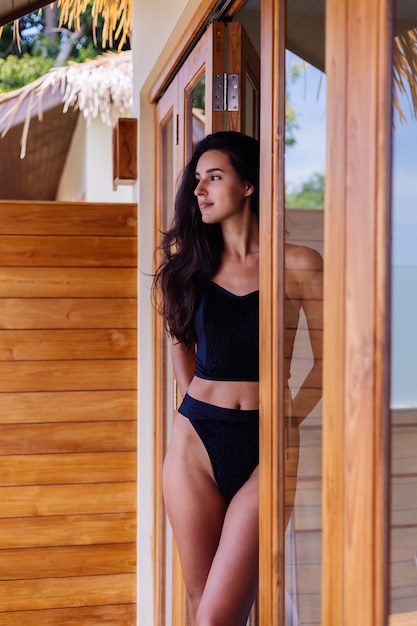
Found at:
[191, 107]
[403, 413]
[305, 162]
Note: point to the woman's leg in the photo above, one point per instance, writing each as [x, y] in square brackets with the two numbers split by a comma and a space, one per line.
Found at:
[195, 507]
[232, 583]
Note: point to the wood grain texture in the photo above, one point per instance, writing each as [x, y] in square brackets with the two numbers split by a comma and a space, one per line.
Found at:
[64, 251]
[66, 469]
[84, 375]
[67, 313]
[67, 530]
[68, 438]
[67, 406]
[107, 615]
[271, 391]
[53, 282]
[74, 345]
[355, 328]
[67, 561]
[67, 499]
[67, 218]
[47, 593]
[68, 412]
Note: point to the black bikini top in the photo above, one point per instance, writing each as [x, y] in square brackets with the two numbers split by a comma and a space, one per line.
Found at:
[227, 330]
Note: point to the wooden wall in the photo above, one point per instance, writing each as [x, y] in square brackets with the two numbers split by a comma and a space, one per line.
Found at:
[67, 414]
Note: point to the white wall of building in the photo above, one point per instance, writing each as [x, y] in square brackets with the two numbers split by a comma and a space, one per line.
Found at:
[157, 27]
[72, 184]
[88, 170]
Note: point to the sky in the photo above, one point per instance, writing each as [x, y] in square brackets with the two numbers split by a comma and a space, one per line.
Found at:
[307, 95]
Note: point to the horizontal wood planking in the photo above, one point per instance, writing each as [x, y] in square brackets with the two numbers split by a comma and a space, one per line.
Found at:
[68, 561]
[65, 218]
[40, 313]
[107, 615]
[24, 595]
[66, 469]
[68, 411]
[67, 499]
[67, 406]
[53, 282]
[67, 437]
[43, 345]
[67, 530]
[86, 375]
[52, 251]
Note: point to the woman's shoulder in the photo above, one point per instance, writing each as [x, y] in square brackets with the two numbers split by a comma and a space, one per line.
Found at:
[302, 258]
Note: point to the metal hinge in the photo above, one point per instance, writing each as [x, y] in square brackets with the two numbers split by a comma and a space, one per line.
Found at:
[226, 92]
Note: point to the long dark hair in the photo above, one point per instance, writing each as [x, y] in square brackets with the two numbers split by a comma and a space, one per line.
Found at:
[191, 250]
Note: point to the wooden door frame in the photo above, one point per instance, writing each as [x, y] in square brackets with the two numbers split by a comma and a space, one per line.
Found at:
[356, 319]
[356, 312]
[271, 260]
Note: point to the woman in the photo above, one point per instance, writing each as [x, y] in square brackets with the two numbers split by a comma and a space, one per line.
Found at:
[209, 281]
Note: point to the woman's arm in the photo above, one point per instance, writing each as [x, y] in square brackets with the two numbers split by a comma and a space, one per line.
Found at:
[183, 361]
[310, 288]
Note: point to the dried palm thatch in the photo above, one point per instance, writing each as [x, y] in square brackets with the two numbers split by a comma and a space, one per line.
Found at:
[117, 17]
[116, 14]
[405, 70]
[102, 86]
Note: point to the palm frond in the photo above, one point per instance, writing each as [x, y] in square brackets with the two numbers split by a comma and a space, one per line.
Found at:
[116, 14]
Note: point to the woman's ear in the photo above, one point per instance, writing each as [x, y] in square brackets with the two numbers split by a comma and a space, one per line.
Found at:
[249, 190]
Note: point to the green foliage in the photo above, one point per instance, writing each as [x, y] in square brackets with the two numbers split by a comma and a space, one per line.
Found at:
[294, 71]
[23, 61]
[308, 195]
[15, 72]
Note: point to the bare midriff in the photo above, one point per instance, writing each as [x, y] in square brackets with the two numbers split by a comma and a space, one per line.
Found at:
[230, 394]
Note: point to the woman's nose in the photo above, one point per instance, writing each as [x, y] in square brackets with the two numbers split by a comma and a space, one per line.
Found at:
[200, 189]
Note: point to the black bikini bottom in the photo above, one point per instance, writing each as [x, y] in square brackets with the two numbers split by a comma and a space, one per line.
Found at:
[231, 438]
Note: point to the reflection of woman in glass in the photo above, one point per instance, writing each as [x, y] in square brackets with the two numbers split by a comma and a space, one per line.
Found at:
[303, 291]
[209, 281]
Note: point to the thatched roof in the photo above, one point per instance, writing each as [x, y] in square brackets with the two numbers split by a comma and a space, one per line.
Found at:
[116, 14]
[100, 87]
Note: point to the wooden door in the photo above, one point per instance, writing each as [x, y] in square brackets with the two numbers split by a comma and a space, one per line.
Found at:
[187, 111]
[356, 347]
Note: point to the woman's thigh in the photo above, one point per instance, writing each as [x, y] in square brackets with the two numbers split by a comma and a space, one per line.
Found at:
[195, 507]
[233, 580]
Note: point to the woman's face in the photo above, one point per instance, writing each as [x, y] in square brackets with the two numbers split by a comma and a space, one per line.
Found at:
[220, 193]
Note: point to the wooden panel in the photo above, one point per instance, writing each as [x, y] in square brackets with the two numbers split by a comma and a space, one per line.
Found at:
[68, 412]
[272, 229]
[23, 595]
[40, 251]
[67, 437]
[356, 320]
[71, 499]
[74, 283]
[68, 313]
[58, 562]
[67, 375]
[61, 218]
[72, 406]
[108, 615]
[67, 530]
[53, 469]
[43, 345]
[125, 151]
[68, 561]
